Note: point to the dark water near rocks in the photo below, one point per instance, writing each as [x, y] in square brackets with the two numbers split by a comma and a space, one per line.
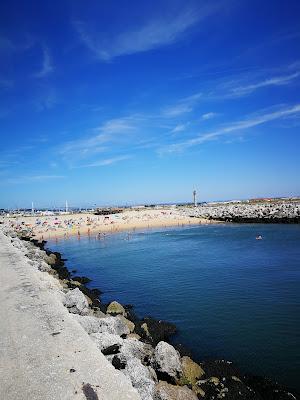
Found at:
[231, 296]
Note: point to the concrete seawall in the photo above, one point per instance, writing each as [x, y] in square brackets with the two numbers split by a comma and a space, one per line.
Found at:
[44, 352]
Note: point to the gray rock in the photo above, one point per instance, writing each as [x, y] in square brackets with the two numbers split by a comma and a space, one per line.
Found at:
[44, 267]
[263, 210]
[166, 361]
[105, 340]
[76, 302]
[112, 325]
[99, 314]
[134, 348]
[165, 391]
[141, 378]
[130, 324]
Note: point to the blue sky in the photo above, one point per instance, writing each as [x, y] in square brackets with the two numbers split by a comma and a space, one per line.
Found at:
[119, 102]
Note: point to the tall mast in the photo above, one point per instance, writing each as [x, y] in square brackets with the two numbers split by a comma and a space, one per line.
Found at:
[67, 207]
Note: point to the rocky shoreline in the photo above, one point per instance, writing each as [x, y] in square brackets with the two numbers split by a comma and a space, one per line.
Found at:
[284, 212]
[141, 349]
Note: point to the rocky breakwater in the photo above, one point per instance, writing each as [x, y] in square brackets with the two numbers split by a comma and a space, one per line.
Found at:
[277, 212]
[140, 348]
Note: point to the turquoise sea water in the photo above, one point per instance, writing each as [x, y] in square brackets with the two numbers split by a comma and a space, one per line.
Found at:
[230, 295]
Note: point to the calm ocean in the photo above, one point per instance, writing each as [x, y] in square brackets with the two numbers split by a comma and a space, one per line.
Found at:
[230, 295]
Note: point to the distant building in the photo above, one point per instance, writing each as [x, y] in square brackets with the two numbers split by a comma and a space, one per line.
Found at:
[194, 198]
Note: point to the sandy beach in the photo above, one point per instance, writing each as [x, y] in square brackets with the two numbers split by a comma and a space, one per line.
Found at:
[55, 226]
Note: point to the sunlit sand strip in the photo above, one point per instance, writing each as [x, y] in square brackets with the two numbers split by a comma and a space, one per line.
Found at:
[48, 227]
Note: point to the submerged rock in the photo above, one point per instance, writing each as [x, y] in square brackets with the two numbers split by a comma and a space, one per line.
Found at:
[166, 362]
[220, 369]
[165, 391]
[155, 331]
[231, 388]
[270, 390]
[81, 279]
[76, 302]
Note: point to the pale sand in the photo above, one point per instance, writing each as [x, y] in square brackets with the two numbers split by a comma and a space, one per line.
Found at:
[47, 227]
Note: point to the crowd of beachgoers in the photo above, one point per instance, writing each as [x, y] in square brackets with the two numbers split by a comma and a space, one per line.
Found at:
[65, 225]
[45, 227]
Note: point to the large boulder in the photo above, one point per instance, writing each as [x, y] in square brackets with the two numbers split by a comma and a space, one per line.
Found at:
[127, 348]
[113, 325]
[49, 259]
[130, 324]
[191, 371]
[134, 348]
[165, 391]
[44, 267]
[141, 378]
[116, 308]
[166, 362]
[106, 340]
[76, 302]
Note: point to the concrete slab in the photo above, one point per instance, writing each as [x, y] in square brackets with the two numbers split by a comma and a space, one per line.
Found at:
[44, 353]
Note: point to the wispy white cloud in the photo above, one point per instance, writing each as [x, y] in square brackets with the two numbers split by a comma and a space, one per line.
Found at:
[274, 81]
[183, 106]
[160, 31]
[111, 137]
[178, 109]
[179, 128]
[208, 115]
[106, 162]
[237, 126]
[117, 125]
[110, 131]
[47, 65]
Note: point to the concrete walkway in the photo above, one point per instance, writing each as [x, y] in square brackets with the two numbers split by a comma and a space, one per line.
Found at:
[44, 353]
